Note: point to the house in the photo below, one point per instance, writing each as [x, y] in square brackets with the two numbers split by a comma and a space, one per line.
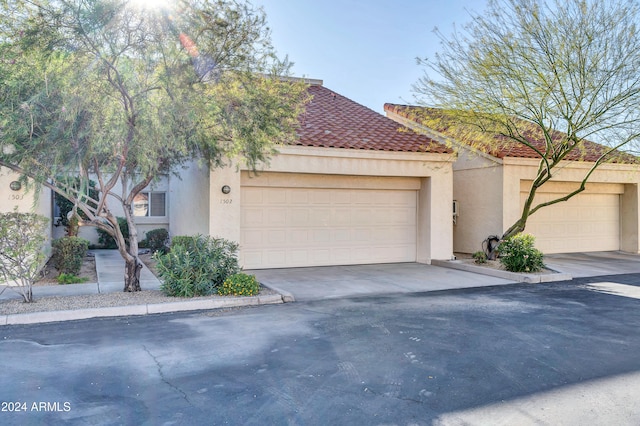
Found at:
[489, 189]
[353, 190]
[356, 188]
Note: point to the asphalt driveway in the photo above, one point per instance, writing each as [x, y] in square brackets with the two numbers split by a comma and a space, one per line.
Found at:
[558, 353]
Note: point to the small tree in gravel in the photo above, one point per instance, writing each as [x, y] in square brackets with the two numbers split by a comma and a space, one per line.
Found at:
[22, 237]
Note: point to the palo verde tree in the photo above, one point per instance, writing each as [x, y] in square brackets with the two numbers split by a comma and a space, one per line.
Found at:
[121, 93]
[546, 77]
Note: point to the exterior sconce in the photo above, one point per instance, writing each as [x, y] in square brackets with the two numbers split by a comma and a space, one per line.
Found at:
[15, 186]
[226, 189]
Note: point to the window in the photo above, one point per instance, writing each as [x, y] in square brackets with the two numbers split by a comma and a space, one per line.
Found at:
[148, 204]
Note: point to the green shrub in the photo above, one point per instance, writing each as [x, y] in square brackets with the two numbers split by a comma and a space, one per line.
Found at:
[239, 284]
[517, 254]
[107, 241]
[71, 279]
[156, 240]
[480, 257]
[187, 241]
[68, 254]
[197, 267]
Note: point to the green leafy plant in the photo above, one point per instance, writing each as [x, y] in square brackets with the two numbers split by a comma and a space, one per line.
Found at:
[106, 241]
[71, 279]
[479, 257]
[22, 237]
[187, 241]
[518, 254]
[239, 284]
[68, 254]
[156, 240]
[197, 267]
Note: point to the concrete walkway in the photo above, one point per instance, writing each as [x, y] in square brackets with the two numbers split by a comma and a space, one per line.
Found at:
[110, 271]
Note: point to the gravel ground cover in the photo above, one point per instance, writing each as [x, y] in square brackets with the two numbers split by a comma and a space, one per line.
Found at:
[105, 300]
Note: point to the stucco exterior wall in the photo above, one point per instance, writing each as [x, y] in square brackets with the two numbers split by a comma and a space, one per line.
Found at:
[25, 201]
[477, 188]
[189, 201]
[224, 209]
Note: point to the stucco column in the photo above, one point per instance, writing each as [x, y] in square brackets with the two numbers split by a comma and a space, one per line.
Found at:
[511, 210]
[630, 219]
[435, 220]
[224, 209]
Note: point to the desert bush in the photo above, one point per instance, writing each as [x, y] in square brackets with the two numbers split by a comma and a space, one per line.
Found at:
[22, 237]
[239, 284]
[518, 254]
[68, 254]
[107, 241]
[156, 240]
[480, 257]
[196, 266]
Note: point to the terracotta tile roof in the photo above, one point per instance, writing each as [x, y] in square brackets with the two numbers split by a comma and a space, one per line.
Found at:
[502, 146]
[333, 121]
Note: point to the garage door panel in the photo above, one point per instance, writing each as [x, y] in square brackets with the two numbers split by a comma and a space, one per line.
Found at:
[317, 226]
[586, 222]
[276, 216]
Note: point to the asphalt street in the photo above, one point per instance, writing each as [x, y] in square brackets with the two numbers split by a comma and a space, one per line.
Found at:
[557, 353]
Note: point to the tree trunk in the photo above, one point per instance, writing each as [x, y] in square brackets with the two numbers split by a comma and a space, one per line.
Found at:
[516, 228]
[27, 295]
[132, 270]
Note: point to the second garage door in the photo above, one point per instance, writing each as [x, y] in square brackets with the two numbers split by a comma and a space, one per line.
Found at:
[587, 222]
[301, 226]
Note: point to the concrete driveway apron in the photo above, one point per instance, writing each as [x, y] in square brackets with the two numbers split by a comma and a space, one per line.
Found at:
[327, 282]
[317, 283]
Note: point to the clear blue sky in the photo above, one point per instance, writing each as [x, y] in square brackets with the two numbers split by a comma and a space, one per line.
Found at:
[363, 49]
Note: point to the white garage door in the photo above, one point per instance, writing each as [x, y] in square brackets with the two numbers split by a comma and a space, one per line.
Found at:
[290, 227]
[586, 222]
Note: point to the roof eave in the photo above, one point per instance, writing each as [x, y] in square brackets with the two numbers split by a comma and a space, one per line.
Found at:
[440, 137]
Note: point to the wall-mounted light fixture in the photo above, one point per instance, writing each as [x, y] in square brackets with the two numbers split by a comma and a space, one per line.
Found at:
[226, 189]
[15, 186]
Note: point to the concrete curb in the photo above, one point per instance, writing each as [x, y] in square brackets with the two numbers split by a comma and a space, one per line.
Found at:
[134, 310]
[287, 297]
[512, 276]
